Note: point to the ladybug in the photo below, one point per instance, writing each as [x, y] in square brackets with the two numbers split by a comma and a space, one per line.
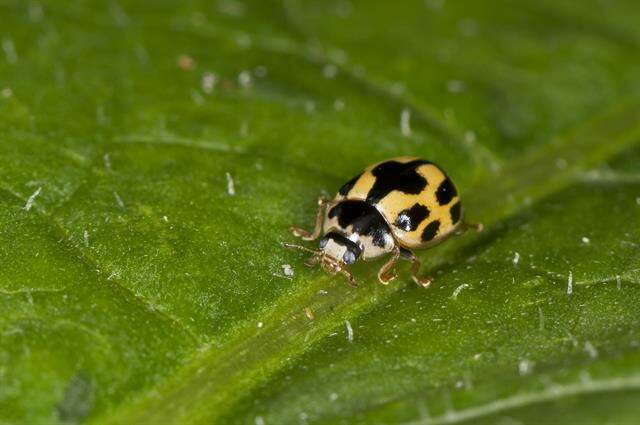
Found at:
[392, 207]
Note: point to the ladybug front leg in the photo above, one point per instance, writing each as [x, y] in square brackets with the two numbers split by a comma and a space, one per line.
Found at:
[309, 236]
[350, 279]
[384, 274]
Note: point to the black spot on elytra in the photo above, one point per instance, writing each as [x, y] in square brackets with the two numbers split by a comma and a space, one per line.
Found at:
[346, 188]
[455, 212]
[365, 219]
[446, 192]
[430, 231]
[349, 211]
[409, 220]
[393, 175]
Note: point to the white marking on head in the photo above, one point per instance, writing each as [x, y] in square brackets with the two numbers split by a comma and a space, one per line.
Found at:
[334, 249]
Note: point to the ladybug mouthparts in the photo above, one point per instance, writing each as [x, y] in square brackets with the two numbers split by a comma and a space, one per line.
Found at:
[329, 263]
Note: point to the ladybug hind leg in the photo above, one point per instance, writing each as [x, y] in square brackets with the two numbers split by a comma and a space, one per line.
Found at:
[464, 226]
[309, 236]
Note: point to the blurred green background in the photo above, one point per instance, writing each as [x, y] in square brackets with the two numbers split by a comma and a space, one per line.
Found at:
[154, 154]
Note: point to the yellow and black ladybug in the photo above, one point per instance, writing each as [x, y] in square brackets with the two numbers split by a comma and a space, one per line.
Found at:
[392, 207]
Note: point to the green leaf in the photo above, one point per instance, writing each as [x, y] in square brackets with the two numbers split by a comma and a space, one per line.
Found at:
[154, 155]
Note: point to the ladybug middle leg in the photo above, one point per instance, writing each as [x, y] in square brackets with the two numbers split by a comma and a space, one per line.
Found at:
[309, 236]
[385, 275]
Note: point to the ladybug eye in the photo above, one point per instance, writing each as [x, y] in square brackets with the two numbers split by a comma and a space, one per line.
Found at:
[349, 257]
[323, 242]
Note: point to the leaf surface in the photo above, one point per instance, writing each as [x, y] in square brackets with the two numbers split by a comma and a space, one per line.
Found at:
[155, 154]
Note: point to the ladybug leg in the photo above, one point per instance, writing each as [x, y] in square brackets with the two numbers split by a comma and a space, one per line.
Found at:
[423, 281]
[350, 279]
[309, 236]
[478, 227]
[311, 261]
[384, 274]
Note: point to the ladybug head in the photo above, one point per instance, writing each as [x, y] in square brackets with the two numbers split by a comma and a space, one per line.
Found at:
[335, 253]
[339, 247]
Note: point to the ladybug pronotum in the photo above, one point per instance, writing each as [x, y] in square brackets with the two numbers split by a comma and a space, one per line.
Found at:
[392, 207]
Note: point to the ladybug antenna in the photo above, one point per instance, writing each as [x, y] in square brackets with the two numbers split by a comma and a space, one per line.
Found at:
[318, 256]
[301, 248]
